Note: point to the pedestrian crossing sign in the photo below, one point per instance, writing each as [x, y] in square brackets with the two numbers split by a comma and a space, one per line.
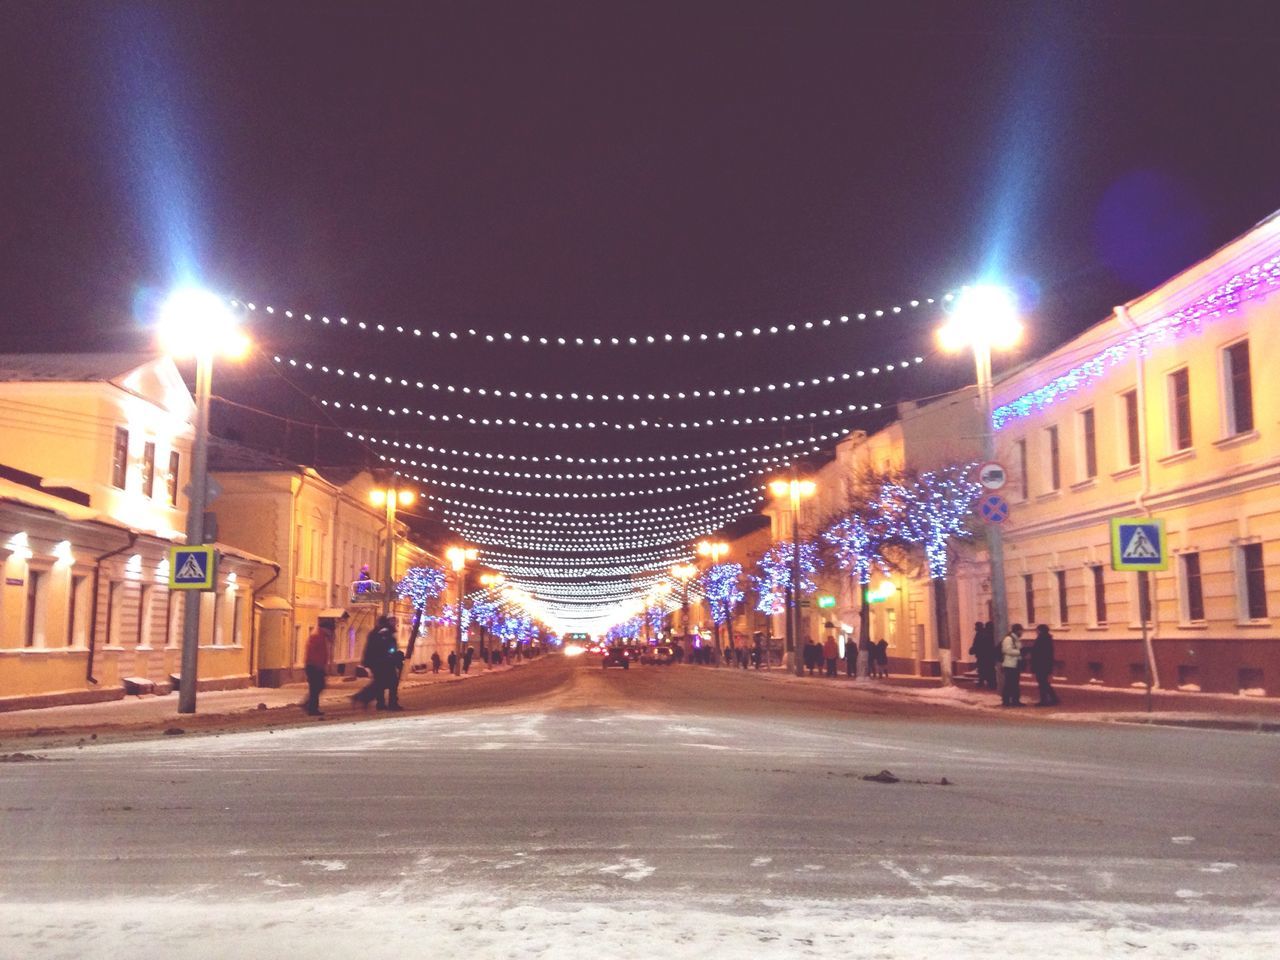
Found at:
[1139, 544]
[192, 568]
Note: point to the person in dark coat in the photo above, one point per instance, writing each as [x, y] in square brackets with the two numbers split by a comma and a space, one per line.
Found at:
[453, 661]
[1042, 665]
[882, 659]
[467, 656]
[377, 651]
[435, 663]
[983, 651]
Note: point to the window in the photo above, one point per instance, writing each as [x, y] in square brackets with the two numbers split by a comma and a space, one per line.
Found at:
[173, 619]
[1180, 409]
[144, 615]
[237, 613]
[1192, 591]
[115, 613]
[1088, 444]
[1254, 581]
[1060, 576]
[1144, 597]
[37, 594]
[1099, 595]
[1022, 468]
[171, 479]
[1133, 438]
[120, 458]
[78, 611]
[148, 468]
[1055, 458]
[1239, 388]
[1029, 597]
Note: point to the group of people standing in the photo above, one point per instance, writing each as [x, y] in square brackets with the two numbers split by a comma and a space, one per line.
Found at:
[1010, 655]
[825, 657]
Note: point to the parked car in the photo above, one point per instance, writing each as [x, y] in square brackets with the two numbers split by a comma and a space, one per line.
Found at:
[616, 657]
[661, 655]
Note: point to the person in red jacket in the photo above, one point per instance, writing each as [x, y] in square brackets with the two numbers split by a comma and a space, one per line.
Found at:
[316, 665]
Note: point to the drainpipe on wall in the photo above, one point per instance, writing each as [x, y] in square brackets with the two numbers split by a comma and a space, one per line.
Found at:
[1140, 501]
[93, 605]
[253, 624]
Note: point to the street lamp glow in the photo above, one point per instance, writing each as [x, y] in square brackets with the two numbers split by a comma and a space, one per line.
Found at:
[196, 323]
[713, 550]
[406, 497]
[458, 557]
[683, 571]
[793, 488]
[984, 314]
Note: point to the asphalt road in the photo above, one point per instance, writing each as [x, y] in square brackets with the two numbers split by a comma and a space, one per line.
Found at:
[685, 792]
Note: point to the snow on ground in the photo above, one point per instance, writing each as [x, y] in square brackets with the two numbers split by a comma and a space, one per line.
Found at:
[477, 924]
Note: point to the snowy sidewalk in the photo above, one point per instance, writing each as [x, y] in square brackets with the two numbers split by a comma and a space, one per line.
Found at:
[211, 705]
[1116, 704]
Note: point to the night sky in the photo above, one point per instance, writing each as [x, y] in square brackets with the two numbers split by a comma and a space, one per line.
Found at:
[614, 170]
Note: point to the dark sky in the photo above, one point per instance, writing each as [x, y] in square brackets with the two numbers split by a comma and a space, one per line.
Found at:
[606, 169]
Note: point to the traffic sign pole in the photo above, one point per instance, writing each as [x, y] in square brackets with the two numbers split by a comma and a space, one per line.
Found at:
[1139, 545]
[195, 533]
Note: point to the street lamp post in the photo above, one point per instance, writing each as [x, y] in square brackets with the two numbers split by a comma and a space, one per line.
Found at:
[389, 498]
[196, 323]
[458, 558]
[986, 317]
[713, 551]
[684, 572]
[794, 488]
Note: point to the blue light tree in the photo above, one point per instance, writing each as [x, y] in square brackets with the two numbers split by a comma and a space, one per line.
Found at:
[773, 582]
[420, 585]
[932, 510]
[720, 586]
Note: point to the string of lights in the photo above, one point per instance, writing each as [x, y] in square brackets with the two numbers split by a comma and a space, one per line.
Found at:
[463, 420]
[571, 495]
[1256, 282]
[708, 393]
[604, 461]
[582, 543]
[671, 532]
[682, 508]
[628, 340]
[777, 460]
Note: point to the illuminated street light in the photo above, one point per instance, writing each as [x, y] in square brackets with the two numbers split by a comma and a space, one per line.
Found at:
[794, 489]
[713, 550]
[194, 323]
[684, 572]
[389, 497]
[458, 558]
[985, 317]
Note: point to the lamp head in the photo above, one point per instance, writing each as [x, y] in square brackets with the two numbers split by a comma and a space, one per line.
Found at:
[195, 323]
[985, 315]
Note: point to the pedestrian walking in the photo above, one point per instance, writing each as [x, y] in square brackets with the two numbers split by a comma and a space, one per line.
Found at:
[377, 648]
[830, 653]
[1011, 667]
[467, 656]
[316, 666]
[453, 661]
[850, 656]
[435, 663]
[1042, 666]
[810, 656]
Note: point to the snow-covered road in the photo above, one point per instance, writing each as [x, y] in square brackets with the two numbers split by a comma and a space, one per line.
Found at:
[641, 815]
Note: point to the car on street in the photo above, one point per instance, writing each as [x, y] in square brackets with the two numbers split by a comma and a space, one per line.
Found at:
[661, 655]
[616, 657]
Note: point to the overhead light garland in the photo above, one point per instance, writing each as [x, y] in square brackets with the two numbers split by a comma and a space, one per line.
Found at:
[632, 340]
[463, 420]
[652, 458]
[708, 393]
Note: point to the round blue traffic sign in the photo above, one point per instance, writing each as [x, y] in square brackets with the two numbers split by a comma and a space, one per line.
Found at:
[994, 508]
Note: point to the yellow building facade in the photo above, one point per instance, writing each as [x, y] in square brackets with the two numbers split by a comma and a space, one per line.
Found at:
[94, 454]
